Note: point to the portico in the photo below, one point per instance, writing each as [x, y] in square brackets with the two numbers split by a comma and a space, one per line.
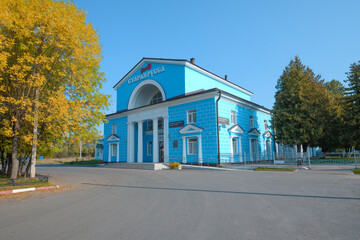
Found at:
[136, 135]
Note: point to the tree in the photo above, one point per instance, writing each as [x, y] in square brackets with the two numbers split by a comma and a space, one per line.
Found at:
[301, 105]
[333, 137]
[49, 73]
[352, 105]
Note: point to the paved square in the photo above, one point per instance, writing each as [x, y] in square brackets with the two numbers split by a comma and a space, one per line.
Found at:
[188, 204]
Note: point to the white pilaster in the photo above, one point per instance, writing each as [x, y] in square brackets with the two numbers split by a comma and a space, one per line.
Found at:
[117, 152]
[184, 150]
[231, 150]
[200, 150]
[140, 142]
[109, 157]
[131, 142]
[166, 139]
[155, 141]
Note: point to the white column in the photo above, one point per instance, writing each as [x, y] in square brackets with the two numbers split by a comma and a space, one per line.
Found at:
[130, 142]
[140, 141]
[240, 150]
[117, 152]
[184, 150]
[166, 139]
[109, 157]
[231, 150]
[200, 150]
[155, 141]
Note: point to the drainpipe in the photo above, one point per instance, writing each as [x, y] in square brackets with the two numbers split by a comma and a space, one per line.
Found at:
[217, 125]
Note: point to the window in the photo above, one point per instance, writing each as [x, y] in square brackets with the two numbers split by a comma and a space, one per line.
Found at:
[267, 147]
[192, 146]
[149, 148]
[253, 146]
[149, 125]
[191, 116]
[113, 129]
[252, 125]
[266, 125]
[233, 117]
[161, 123]
[114, 150]
[156, 99]
[235, 145]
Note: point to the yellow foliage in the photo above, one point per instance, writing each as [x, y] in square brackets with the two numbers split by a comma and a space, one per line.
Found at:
[173, 165]
[48, 45]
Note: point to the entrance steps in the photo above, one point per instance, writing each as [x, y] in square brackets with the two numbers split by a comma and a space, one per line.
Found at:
[143, 166]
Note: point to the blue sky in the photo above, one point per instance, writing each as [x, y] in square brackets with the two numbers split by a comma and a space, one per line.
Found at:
[250, 41]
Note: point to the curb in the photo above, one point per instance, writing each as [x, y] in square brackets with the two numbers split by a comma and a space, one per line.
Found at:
[27, 189]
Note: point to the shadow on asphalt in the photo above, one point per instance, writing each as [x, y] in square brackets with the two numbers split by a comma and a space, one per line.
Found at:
[225, 192]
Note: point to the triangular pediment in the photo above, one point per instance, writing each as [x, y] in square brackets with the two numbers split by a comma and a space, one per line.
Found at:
[236, 129]
[113, 137]
[267, 134]
[190, 129]
[254, 132]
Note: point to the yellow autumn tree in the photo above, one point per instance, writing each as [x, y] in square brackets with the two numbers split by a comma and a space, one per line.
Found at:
[49, 74]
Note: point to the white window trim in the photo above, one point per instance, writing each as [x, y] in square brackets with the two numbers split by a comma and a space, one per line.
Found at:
[236, 147]
[187, 116]
[188, 146]
[147, 148]
[113, 153]
[256, 147]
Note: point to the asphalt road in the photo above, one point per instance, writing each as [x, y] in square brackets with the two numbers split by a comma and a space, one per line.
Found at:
[188, 204]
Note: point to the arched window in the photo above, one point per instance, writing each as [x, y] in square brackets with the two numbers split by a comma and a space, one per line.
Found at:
[156, 99]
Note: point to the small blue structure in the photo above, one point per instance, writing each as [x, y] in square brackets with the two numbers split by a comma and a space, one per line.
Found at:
[99, 149]
[174, 110]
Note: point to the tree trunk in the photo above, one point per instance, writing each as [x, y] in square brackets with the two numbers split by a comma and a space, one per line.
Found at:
[35, 133]
[14, 160]
[26, 174]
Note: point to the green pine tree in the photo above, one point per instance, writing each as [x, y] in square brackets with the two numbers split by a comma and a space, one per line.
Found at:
[352, 105]
[301, 104]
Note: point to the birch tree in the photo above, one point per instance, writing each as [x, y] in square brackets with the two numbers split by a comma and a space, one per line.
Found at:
[50, 72]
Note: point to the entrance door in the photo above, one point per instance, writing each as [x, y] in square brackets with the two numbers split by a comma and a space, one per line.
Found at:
[161, 152]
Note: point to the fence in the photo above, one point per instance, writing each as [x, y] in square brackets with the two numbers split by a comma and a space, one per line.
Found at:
[271, 158]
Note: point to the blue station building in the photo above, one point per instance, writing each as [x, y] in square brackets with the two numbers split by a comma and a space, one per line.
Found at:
[173, 110]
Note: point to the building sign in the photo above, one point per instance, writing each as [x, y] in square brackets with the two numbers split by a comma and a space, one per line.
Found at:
[146, 72]
[223, 120]
[176, 124]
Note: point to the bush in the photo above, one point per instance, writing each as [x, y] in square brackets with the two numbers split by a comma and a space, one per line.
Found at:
[356, 171]
[173, 165]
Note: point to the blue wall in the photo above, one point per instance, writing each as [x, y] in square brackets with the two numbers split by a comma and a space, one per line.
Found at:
[206, 119]
[121, 124]
[243, 120]
[172, 81]
[196, 80]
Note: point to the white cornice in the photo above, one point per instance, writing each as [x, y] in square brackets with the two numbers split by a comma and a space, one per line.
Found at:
[162, 105]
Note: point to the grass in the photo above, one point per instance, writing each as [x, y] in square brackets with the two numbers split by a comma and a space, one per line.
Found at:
[356, 171]
[275, 169]
[82, 163]
[41, 184]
